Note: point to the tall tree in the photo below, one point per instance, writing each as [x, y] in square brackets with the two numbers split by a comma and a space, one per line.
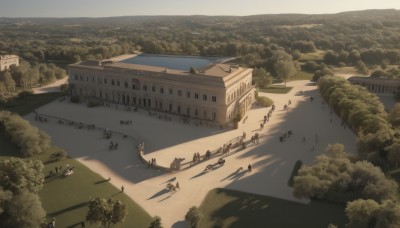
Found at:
[8, 81]
[106, 212]
[284, 65]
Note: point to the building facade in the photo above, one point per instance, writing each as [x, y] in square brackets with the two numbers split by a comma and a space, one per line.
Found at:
[377, 85]
[214, 93]
[8, 60]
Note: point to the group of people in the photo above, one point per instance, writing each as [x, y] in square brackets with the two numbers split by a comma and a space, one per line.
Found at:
[153, 162]
[40, 119]
[255, 138]
[59, 170]
[61, 99]
[196, 157]
[113, 146]
[125, 122]
[285, 136]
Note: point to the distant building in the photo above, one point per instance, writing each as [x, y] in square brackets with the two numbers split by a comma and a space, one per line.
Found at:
[8, 60]
[377, 85]
[215, 92]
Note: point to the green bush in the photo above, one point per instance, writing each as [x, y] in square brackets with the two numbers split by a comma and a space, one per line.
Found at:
[28, 138]
[58, 155]
[264, 101]
[193, 217]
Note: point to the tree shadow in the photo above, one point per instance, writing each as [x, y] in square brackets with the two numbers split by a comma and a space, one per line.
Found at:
[180, 224]
[78, 224]
[238, 209]
[74, 207]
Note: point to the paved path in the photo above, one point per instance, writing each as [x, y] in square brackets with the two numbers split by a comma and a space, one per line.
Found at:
[272, 161]
[52, 87]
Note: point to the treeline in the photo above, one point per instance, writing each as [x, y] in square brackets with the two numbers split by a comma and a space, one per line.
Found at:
[27, 76]
[365, 114]
[41, 40]
[28, 138]
[361, 180]
[337, 177]
[20, 182]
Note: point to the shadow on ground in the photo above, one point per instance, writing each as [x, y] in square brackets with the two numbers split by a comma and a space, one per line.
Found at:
[227, 208]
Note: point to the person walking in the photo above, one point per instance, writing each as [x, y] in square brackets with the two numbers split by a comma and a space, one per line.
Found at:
[122, 188]
[249, 168]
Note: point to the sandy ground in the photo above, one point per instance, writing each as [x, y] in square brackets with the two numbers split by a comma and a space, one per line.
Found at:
[272, 161]
[53, 87]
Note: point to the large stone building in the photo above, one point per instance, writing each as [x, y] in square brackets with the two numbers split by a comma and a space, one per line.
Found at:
[215, 92]
[377, 85]
[8, 60]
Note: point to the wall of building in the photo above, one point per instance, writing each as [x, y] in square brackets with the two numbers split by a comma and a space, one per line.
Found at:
[211, 103]
[377, 85]
[7, 61]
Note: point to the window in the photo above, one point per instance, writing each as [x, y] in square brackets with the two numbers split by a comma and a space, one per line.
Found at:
[126, 84]
[188, 94]
[161, 90]
[145, 87]
[214, 115]
[153, 88]
[205, 97]
[205, 114]
[196, 112]
[196, 96]
[170, 91]
[179, 93]
[76, 77]
[112, 82]
[133, 86]
[214, 99]
[105, 81]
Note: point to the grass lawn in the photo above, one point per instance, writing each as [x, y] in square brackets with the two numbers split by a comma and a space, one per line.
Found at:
[66, 198]
[276, 89]
[313, 56]
[27, 104]
[302, 75]
[228, 208]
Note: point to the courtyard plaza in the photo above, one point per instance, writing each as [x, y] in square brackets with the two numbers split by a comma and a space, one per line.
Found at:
[272, 161]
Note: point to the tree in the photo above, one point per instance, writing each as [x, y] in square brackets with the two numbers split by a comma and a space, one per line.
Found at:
[360, 212]
[156, 222]
[24, 210]
[284, 65]
[369, 213]
[20, 180]
[18, 175]
[193, 217]
[8, 81]
[5, 196]
[335, 178]
[106, 212]
[394, 115]
[261, 78]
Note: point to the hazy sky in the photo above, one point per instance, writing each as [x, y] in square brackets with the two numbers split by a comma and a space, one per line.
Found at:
[105, 8]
